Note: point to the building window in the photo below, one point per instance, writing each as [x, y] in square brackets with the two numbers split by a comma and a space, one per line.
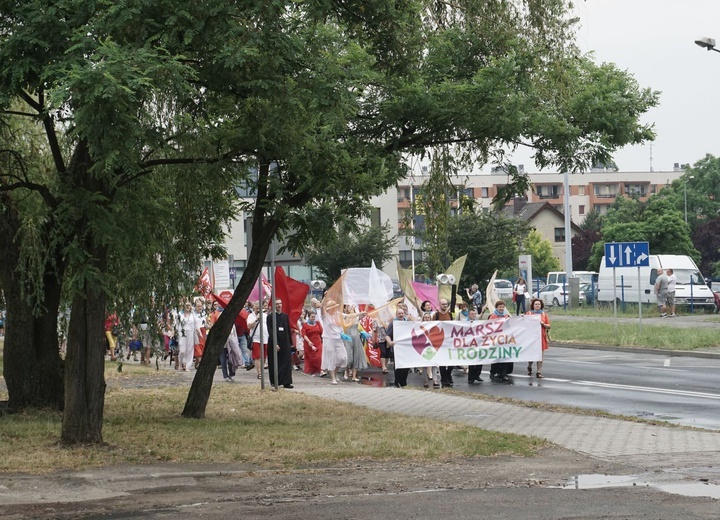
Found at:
[605, 191]
[485, 192]
[559, 234]
[581, 209]
[639, 190]
[548, 192]
[581, 190]
[375, 218]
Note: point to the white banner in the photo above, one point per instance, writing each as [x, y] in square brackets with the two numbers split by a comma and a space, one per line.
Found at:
[450, 343]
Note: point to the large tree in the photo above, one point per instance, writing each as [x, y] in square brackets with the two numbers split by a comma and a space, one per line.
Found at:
[582, 243]
[490, 240]
[309, 104]
[655, 221]
[540, 249]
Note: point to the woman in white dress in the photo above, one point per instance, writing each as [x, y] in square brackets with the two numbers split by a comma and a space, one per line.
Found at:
[188, 334]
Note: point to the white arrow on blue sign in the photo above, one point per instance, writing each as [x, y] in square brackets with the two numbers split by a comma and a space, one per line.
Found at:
[627, 254]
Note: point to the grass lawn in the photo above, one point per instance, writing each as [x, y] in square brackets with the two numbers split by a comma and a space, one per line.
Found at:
[243, 424]
[628, 335]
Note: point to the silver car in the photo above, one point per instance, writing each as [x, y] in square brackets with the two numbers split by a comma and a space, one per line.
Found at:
[504, 290]
[557, 294]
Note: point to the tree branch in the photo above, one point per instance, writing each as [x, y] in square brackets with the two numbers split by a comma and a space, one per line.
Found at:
[16, 113]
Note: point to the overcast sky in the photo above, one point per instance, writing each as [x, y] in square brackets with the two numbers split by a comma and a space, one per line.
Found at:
[654, 40]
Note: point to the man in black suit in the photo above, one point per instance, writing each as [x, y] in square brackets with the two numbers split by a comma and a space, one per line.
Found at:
[280, 322]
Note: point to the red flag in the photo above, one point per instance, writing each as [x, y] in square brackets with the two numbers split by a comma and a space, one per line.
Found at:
[241, 321]
[292, 293]
[204, 284]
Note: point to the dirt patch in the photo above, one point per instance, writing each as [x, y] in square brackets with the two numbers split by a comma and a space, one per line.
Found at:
[134, 491]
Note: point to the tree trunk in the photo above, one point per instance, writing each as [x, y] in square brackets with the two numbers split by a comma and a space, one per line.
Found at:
[33, 368]
[85, 358]
[85, 370]
[199, 395]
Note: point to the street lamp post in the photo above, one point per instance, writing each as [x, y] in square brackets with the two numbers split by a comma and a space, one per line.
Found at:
[706, 43]
[685, 191]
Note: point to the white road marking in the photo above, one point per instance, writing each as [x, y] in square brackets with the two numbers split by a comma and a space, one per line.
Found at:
[684, 393]
[667, 362]
[634, 366]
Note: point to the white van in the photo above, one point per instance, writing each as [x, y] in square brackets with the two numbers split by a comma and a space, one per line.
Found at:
[560, 277]
[690, 283]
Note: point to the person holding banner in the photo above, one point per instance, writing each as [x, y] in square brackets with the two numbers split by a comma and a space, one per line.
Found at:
[474, 371]
[444, 314]
[401, 374]
[502, 369]
[431, 374]
[537, 306]
[356, 360]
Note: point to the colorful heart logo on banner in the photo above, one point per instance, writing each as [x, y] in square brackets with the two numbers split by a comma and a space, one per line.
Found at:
[427, 342]
[419, 341]
[436, 336]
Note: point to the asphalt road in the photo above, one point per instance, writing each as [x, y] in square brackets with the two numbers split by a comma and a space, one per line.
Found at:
[680, 390]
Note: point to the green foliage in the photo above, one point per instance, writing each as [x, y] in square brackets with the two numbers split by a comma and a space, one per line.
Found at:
[490, 240]
[154, 110]
[432, 203]
[346, 250]
[593, 221]
[543, 259]
[656, 222]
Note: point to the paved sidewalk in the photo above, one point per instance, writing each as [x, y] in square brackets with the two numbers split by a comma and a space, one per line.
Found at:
[596, 436]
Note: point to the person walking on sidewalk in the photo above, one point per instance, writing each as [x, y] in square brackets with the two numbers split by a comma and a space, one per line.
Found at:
[401, 374]
[537, 306]
[474, 371]
[670, 300]
[334, 354]
[661, 289]
[501, 369]
[380, 341]
[280, 333]
[444, 314]
[254, 322]
[519, 291]
[312, 338]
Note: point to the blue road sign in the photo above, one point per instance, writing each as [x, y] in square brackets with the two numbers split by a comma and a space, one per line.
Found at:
[627, 254]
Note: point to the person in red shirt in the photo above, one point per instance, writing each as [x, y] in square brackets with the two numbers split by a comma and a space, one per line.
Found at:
[112, 325]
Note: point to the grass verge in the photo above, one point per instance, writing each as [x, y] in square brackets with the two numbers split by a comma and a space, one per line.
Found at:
[627, 335]
[243, 424]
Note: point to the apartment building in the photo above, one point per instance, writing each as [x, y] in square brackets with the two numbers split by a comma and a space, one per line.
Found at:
[596, 189]
[593, 189]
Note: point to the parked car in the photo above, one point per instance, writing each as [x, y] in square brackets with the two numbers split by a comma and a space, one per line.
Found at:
[504, 290]
[397, 290]
[589, 291]
[556, 294]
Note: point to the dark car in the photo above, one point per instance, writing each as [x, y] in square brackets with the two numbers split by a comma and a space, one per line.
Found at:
[397, 290]
[589, 291]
